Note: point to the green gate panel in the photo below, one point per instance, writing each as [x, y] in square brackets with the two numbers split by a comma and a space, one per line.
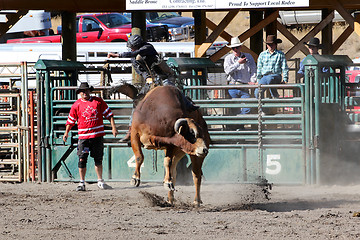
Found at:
[241, 165]
[118, 165]
[286, 166]
[279, 166]
[72, 165]
[123, 164]
[223, 165]
[236, 165]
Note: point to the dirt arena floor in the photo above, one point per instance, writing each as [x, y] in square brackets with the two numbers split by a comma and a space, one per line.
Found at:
[231, 211]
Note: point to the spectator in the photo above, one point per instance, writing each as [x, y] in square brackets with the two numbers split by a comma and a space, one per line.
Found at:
[89, 111]
[270, 65]
[314, 46]
[240, 69]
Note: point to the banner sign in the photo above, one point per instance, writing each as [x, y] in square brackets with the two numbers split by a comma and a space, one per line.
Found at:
[177, 5]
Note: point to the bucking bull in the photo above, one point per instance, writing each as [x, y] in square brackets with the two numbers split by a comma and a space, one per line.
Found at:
[161, 121]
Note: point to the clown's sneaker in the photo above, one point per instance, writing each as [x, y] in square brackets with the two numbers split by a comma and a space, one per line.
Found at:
[102, 185]
[81, 187]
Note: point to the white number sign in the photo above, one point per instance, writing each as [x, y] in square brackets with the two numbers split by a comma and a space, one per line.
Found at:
[273, 166]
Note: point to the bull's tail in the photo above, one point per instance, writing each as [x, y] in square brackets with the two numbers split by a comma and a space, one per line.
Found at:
[127, 89]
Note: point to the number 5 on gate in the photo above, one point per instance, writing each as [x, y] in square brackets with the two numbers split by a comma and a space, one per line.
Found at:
[273, 166]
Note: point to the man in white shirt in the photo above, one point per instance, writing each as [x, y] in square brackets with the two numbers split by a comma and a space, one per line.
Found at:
[240, 68]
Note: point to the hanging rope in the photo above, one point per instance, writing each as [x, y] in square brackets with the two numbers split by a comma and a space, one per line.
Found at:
[260, 112]
[263, 182]
[154, 157]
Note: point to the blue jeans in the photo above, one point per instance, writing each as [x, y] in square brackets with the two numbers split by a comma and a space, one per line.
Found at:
[268, 80]
[240, 93]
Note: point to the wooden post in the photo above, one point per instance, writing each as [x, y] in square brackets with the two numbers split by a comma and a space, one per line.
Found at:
[256, 39]
[200, 28]
[138, 24]
[327, 34]
[271, 28]
[68, 36]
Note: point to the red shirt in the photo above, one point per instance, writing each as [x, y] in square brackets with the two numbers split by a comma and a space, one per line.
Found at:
[89, 115]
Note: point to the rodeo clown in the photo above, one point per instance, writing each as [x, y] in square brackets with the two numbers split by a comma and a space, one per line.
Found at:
[89, 112]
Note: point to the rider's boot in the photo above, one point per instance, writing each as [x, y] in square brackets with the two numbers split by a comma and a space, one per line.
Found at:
[190, 105]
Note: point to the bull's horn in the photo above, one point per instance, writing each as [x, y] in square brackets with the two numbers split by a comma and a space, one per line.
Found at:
[179, 123]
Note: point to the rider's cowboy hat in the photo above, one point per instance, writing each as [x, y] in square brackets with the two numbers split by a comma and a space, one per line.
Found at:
[84, 86]
[272, 39]
[235, 42]
[314, 42]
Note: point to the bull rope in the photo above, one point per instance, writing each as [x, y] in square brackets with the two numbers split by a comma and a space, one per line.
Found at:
[260, 112]
[263, 182]
[154, 158]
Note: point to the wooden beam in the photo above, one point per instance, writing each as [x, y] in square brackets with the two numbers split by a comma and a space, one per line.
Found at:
[11, 20]
[225, 35]
[215, 34]
[217, 55]
[353, 23]
[272, 17]
[247, 34]
[341, 39]
[345, 35]
[321, 4]
[311, 34]
[120, 5]
[343, 12]
[281, 28]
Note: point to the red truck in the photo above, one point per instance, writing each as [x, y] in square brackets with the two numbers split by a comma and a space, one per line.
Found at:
[102, 27]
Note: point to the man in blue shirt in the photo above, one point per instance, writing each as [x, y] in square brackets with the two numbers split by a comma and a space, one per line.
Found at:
[270, 65]
[314, 46]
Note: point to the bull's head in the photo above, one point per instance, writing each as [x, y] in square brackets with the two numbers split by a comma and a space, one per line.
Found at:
[192, 133]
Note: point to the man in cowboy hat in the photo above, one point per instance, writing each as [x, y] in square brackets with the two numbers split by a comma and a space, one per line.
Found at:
[270, 65]
[89, 112]
[240, 69]
[314, 46]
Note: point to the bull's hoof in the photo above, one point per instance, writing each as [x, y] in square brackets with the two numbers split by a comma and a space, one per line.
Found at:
[170, 202]
[135, 182]
[197, 203]
[169, 186]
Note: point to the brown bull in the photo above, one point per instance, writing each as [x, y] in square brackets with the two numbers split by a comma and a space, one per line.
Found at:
[160, 121]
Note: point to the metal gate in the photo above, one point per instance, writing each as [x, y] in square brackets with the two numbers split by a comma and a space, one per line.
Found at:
[17, 154]
[282, 140]
[234, 154]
